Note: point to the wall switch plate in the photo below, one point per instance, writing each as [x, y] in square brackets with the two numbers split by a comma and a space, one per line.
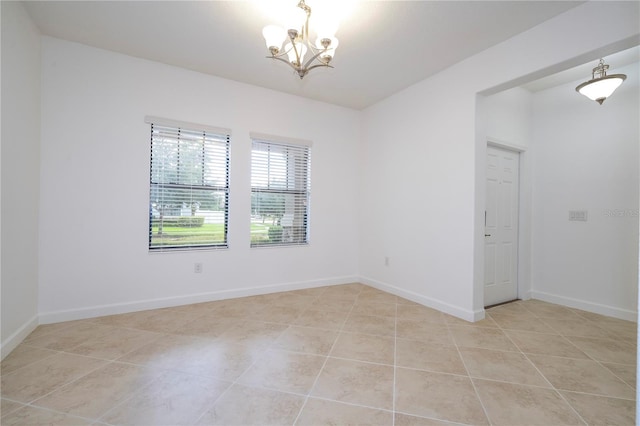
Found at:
[578, 215]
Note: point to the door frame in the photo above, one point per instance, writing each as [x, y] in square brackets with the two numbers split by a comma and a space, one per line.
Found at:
[524, 221]
[517, 155]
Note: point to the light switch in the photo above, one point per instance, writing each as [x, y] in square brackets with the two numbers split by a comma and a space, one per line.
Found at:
[578, 215]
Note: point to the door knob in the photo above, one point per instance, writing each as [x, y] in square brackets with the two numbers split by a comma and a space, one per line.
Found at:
[487, 235]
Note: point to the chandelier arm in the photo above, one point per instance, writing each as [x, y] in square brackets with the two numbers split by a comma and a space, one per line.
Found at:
[314, 57]
[318, 66]
[298, 58]
[282, 55]
[283, 60]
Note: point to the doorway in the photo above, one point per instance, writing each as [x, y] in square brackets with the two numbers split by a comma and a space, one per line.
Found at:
[501, 226]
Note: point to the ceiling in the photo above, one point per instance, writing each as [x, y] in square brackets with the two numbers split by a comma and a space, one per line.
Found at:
[385, 46]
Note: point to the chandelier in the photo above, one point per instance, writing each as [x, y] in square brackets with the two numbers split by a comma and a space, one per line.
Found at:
[299, 52]
[601, 87]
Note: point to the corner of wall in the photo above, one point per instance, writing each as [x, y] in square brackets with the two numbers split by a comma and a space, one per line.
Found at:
[456, 311]
[12, 342]
[21, 98]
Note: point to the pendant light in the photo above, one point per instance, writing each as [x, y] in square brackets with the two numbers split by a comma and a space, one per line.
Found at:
[601, 87]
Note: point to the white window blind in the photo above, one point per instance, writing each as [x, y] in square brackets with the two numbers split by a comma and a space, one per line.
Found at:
[280, 192]
[189, 188]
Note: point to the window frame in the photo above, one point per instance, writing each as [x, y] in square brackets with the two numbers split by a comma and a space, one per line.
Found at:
[296, 154]
[214, 156]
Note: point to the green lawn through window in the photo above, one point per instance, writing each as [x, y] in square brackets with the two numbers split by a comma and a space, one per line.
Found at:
[207, 234]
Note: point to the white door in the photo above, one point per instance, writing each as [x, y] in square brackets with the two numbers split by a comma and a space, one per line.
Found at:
[501, 227]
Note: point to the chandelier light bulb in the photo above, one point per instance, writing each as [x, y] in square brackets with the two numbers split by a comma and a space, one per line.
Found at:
[333, 43]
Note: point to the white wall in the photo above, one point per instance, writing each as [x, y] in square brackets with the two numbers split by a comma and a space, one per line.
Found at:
[20, 173]
[586, 158]
[418, 198]
[423, 160]
[508, 118]
[95, 172]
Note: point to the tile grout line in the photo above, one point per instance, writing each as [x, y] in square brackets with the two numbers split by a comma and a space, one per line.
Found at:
[133, 395]
[32, 403]
[55, 352]
[566, 338]
[231, 383]
[395, 366]
[589, 357]
[326, 359]
[623, 380]
[39, 407]
[464, 364]
[540, 372]
[106, 362]
[163, 371]
[236, 380]
[504, 331]
[601, 365]
[222, 394]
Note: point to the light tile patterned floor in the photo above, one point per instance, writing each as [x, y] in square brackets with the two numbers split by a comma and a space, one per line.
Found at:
[346, 354]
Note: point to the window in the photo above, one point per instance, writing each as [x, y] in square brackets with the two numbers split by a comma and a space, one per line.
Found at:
[280, 191]
[189, 186]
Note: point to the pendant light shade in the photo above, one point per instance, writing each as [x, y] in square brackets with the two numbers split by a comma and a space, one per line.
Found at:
[601, 87]
[274, 36]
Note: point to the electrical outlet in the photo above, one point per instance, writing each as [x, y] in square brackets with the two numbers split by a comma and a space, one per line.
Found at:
[386, 261]
[197, 268]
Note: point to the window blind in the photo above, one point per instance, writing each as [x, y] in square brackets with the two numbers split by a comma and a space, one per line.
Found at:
[280, 193]
[189, 188]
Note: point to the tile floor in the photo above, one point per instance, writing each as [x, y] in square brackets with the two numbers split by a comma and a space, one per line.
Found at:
[346, 354]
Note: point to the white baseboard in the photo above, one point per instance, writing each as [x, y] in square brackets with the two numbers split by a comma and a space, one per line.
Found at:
[143, 305]
[597, 308]
[166, 302]
[11, 342]
[16, 338]
[456, 311]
